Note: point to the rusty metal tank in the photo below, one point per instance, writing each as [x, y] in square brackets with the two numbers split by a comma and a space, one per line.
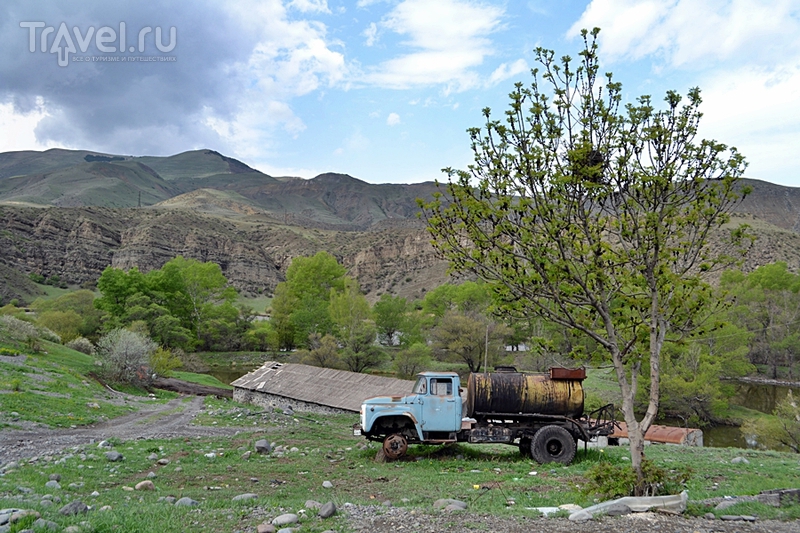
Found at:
[559, 392]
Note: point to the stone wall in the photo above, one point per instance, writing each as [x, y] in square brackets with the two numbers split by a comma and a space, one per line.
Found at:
[272, 401]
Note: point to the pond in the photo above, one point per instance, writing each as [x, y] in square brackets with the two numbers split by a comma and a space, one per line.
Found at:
[758, 396]
[228, 375]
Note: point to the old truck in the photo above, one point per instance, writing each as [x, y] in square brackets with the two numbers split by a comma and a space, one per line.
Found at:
[541, 413]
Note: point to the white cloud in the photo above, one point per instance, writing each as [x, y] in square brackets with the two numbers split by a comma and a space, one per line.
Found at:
[371, 33]
[685, 31]
[447, 39]
[506, 71]
[17, 130]
[758, 112]
[310, 6]
[393, 119]
[356, 142]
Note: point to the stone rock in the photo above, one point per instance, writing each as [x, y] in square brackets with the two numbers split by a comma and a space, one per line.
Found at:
[76, 485]
[104, 444]
[246, 496]
[163, 461]
[443, 503]
[41, 523]
[710, 516]
[263, 446]
[73, 508]
[52, 484]
[114, 456]
[152, 457]
[739, 460]
[327, 485]
[724, 504]
[580, 516]
[55, 477]
[285, 519]
[73, 529]
[327, 510]
[246, 455]
[313, 504]
[288, 529]
[386, 503]
[618, 509]
[730, 518]
[748, 518]
[265, 528]
[151, 475]
[46, 503]
[454, 507]
[186, 502]
[145, 485]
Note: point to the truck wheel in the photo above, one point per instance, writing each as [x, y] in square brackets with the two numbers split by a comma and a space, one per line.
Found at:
[395, 446]
[553, 444]
[525, 447]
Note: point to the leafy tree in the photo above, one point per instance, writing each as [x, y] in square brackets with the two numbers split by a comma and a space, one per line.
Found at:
[354, 327]
[301, 303]
[462, 338]
[66, 324]
[767, 303]
[412, 360]
[390, 317]
[125, 356]
[81, 302]
[324, 353]
[163, 361]
[595, 216]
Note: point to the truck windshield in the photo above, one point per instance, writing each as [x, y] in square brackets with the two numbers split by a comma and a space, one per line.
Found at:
[421, 386]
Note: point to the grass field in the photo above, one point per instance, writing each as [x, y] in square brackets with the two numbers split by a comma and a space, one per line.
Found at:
[52, 388]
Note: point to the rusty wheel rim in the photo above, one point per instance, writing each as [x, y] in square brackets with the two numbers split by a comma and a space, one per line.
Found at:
[395, 446]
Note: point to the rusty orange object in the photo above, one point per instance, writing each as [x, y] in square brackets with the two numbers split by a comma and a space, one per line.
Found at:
[663, 434]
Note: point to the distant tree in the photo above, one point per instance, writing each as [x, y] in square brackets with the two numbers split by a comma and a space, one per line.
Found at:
[66, 324]
[411, 360]
[324, 353]
[390, 317]
[301, 303]
[461, 338]
[354, 327]
[595, 216]
[125, 356]
[767, 303]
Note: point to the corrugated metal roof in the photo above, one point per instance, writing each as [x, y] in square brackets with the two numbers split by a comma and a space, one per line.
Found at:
[323, 386]
[663, 434]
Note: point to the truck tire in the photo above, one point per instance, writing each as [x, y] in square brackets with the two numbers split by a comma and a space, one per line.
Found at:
[553, 444]
[395, 446]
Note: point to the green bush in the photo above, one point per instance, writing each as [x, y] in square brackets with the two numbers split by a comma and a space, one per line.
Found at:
[81, 344]
[618, 480]
[36, 277]
[164, 361]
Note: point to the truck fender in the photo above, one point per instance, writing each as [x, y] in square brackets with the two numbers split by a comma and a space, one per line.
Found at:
[397, 414]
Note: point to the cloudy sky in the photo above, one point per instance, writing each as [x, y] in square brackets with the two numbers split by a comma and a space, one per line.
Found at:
[382, 90]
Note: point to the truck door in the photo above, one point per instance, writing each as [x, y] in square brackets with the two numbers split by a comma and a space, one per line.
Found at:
[442, 408]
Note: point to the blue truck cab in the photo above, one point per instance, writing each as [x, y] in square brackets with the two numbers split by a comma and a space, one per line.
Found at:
[431, 414]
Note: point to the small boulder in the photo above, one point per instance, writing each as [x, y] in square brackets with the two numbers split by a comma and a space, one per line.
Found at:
[74, 508]
[327, 485]
[246, 496]
[265, 528]
[313, 504]
[285, 519]
[114, 456]
[145, 485]
[52, 484]
[443, 503]
[739, 460]
[42, 524]
[186, 502]
[163, 461]
[55, 477]
[263, 446]
[327, 510]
